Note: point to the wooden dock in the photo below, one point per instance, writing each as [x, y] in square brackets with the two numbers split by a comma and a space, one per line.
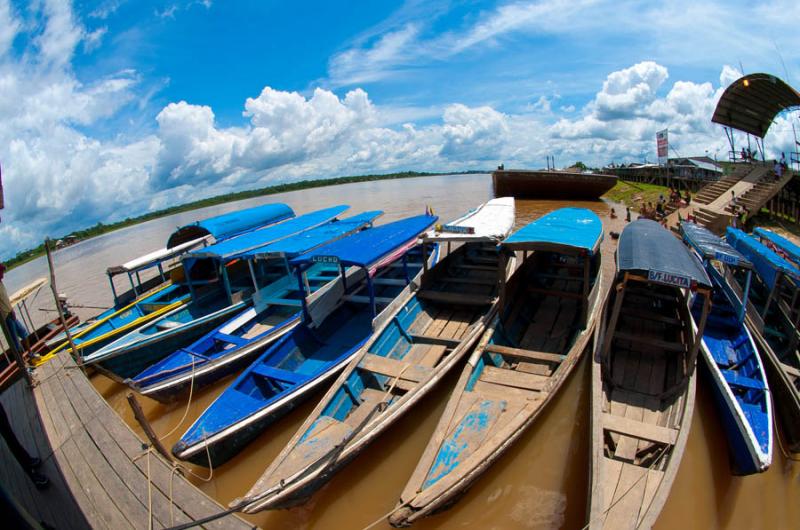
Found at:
[101, 474]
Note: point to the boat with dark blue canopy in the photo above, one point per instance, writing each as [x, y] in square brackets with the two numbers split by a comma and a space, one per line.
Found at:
[773, 317]
[275, 311]
[643, 377]
[220, 286]
[547, 319]
[374, 266]
[740, 385]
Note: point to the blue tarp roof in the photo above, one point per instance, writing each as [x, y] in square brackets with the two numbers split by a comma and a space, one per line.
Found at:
[310, 239]
[711, 246]
[369, 246]
[792, 250]
[259, 238]
[231, 224]
[650, 249]
[768, 264]
[576, 228]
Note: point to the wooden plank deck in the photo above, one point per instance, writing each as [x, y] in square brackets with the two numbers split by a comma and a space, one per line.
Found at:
[96, 464]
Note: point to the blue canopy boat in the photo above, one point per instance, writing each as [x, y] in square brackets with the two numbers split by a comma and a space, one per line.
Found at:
[421, 340]
[779, 244]
[276, 311]
[220, 287]
[550, 307]
[643, 377]
[771, 322]
[149, 298]
[731, 356]
[316, 350]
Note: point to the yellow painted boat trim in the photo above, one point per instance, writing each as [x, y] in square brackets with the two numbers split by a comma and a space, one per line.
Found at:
[139, 321]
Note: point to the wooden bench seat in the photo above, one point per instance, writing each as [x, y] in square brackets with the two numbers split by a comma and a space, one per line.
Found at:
[455, 298]
[394, 368]
[524, 354]
[652, 341]
[638, 429]
[427, 339]
[513, 378]
[551, 292]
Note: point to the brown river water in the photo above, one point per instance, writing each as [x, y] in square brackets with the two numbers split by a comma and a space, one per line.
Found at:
[541, 482]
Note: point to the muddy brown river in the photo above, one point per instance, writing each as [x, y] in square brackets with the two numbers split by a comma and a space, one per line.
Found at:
[541, 482]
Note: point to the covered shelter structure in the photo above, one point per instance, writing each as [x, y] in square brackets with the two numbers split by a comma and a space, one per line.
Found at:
[750, 104]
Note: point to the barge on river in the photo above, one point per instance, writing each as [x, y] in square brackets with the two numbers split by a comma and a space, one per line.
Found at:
[528, 184]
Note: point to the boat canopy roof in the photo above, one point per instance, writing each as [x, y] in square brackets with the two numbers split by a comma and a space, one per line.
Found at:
[490, 222]
[647, 248]
[576, 229]
[311, 239]
[711, 246]
[767, 262]
[792, 250]
[370, 246]
[154, 258]
[231, 248]
[231, 224]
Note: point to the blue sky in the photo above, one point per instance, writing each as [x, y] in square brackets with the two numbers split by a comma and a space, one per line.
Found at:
[118, 107]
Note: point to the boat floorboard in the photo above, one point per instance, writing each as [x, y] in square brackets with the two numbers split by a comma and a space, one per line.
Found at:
[95, 462]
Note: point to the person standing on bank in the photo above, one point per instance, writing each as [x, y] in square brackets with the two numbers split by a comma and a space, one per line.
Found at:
[27, 462]
[17, 330]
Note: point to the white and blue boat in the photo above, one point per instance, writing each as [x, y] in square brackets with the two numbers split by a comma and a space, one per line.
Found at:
[220, 284]
[427, 335]
[773, 326]
[275, 311]
[547, 319]
[315, 351]
[151, 298]
[740, 386]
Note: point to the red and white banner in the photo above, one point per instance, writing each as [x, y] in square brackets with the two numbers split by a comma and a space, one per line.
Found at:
[662, 143]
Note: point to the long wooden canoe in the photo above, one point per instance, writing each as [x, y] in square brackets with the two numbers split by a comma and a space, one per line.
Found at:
[643, 378]
[550, 309]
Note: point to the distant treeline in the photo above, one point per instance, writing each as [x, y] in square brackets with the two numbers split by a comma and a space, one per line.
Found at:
[101, 228]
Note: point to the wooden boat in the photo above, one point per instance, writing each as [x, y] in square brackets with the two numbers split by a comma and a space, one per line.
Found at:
[36, 341]
[150, 298]
[549, 310]
[215, 297]
[731, 357]
[643, 378]
[315, 351]
[426, 336]
[233, 344]
[776, 334]
[530, 184]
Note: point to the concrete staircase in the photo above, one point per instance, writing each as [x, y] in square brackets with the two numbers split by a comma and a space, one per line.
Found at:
[761, 193]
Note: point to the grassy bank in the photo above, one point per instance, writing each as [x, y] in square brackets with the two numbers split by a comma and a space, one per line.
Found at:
[100, 228]
[635, 195]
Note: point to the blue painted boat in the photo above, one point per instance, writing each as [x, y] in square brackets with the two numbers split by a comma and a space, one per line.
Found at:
[548, 319]
[644, 378]
[427, 335]
[276, 311]
[149, 298]
[779, 244]
[220, 283]
[774, 327]
[311, 354]
[731, 357]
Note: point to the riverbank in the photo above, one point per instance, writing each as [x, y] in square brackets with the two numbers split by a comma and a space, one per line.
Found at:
[634, 195]
[100, 228]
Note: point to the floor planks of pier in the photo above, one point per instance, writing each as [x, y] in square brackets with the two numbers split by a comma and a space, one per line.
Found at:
[98, 467]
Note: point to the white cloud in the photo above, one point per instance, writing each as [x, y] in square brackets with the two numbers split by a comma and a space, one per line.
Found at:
[106, 9]
[9, 26]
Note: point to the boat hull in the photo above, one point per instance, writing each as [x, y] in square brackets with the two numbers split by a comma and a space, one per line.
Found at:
[551, 184]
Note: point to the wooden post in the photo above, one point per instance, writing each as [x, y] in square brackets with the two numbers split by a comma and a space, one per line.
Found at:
[60, 309]
[701, 326]
[138, 413]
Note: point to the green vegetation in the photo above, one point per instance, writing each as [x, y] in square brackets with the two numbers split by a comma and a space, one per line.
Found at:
[635, 194]
[100, 228]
